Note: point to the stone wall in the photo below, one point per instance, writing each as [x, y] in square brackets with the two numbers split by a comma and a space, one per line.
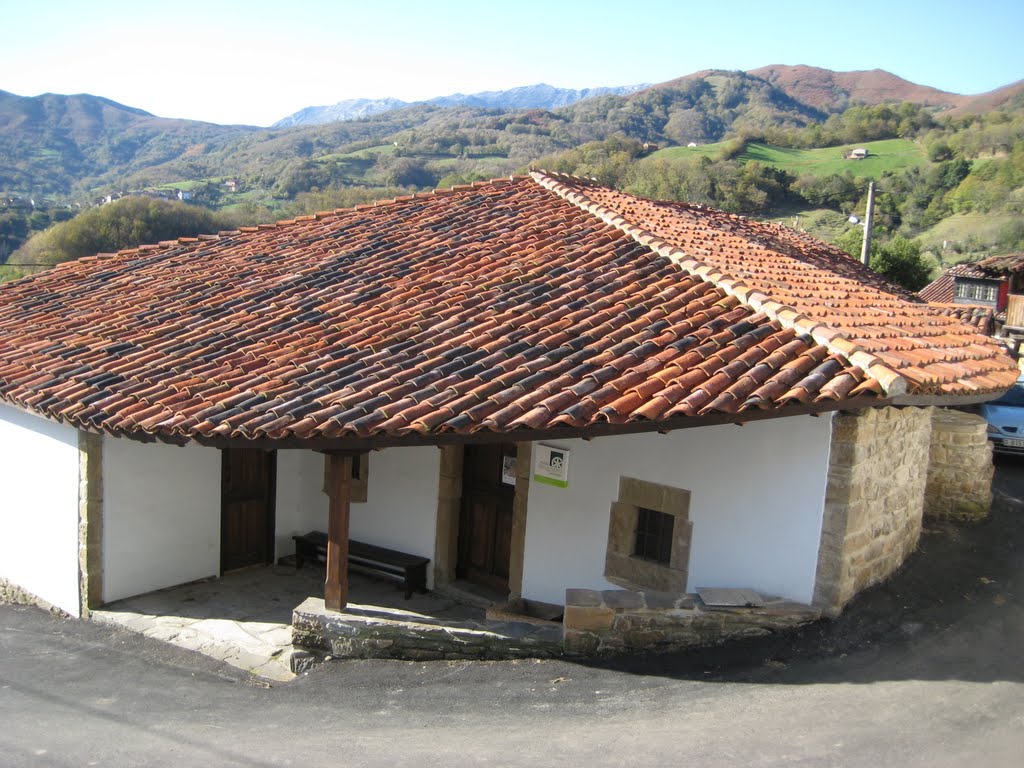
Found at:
[623, 621]
[90, 521]
[960, 467]
[874, 500]
[376, 632]
[15, 595]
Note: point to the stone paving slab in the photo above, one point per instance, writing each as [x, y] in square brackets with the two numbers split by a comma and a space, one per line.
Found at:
[245, 619]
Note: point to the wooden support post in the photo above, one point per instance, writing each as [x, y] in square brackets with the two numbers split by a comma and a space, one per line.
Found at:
[339, 486]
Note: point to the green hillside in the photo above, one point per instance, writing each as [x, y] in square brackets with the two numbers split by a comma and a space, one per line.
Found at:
[883, 156]
[968, 236]
[763, 153]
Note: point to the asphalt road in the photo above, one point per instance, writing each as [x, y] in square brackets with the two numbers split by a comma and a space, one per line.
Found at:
[923, 671]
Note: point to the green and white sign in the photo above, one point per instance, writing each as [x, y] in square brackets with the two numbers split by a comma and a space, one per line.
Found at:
[551, 466]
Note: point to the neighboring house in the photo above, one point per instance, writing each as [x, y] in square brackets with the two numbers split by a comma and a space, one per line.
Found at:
[536, 382]
[967, 284]
[1009, 270]
[972, 295]
[184, 195]
[856, 154]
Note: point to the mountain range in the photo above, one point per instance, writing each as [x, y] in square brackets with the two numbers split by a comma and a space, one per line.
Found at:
[83, 145]
[540, 96]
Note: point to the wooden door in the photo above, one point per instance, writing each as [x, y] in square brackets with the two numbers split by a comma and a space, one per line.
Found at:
[485, 522]
[247, 508]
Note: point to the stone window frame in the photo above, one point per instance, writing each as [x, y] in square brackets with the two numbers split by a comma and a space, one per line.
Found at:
[627, 570]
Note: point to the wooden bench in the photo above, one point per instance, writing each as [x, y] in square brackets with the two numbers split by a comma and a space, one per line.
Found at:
[411, 569]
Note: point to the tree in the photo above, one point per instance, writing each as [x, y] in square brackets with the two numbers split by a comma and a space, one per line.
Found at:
[939, 152]
[13, 231]
[899, 260]
[406, 172]
[126, 223]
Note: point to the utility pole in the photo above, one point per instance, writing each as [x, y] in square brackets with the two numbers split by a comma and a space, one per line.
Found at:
[865, 250]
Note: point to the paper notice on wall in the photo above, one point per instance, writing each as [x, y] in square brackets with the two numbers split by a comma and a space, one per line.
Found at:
[508, 470]
[551, 466]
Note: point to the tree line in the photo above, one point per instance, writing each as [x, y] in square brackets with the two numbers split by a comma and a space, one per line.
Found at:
[976, 163]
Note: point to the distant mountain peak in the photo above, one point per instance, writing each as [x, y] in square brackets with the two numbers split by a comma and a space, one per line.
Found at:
[832, 91]
[347, 109]
[538, 96]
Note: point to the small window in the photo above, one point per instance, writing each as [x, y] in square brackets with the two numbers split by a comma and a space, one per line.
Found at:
[976, 291]
[654, 536]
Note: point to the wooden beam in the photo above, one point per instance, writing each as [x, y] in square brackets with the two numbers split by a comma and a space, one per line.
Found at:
[339, 485]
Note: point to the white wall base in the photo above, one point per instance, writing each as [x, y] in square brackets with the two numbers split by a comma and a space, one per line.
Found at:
[301, 504]
[39, 507]
[400, 511]
[757, 496]
[161, 516]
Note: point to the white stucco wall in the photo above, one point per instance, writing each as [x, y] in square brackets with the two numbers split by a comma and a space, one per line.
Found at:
[757, 497]
[161, 516]
[400, 511]
[301, 504]
[39, 507]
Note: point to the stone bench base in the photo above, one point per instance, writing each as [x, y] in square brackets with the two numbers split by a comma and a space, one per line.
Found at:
[621, 621]
[373, 632]
[596, 624]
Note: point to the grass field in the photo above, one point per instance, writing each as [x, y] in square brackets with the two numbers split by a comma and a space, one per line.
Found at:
[445, 163]
[678, 153]
[965, 235]
[823, 223]
[370, 153]
[888, 155]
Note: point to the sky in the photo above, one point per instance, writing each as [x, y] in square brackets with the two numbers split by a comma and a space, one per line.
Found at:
[255, 62]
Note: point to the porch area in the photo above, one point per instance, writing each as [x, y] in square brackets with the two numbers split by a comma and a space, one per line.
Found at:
[245, 619]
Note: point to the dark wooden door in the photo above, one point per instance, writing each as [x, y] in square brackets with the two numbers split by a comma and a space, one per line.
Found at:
[485, 522]
[247, 508]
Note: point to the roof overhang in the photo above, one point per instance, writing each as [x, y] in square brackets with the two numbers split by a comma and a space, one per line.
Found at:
[377, 442]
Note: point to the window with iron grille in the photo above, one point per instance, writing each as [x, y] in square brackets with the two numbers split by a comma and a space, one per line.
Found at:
[654, 536]
[649, 533]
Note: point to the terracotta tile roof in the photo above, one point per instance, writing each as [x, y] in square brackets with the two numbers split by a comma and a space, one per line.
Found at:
[980, 317]
[940, 290]
[1007, 263]
[811, 286]
[495, 307]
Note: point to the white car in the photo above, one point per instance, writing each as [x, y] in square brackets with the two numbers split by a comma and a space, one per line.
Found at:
[1005, 418]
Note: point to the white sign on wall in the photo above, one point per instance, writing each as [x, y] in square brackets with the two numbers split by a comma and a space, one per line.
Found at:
[508, 470]
[551, 466]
